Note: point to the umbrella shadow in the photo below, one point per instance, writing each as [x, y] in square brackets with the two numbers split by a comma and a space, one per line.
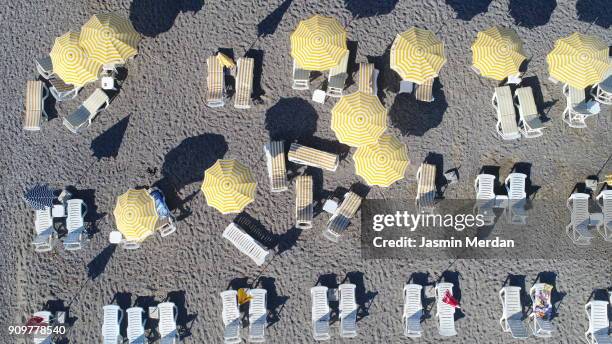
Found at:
[530, 14]
[369, 8]
[98, 264]
[414, 117]
[291, 119]
[269, 24]
[107, 144]
[598, 12]
[153, 17]
[466, 10]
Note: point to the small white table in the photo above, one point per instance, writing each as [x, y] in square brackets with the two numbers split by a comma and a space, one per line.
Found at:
[58, 210]
[319, 96]
[108, 83]
[115, 237]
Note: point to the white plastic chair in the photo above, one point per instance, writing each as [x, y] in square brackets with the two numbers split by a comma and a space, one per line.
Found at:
[444, 312]
[578, 228]
[39, 338]
[257, 315]
[577, 109]
[75, 224]
[167, 313]
[530, 124]
[506, 125]
[136, 326]
[599, 324]
[541, 327]
[348, 311]
[113, 315]
[85, 114]
[605, 201]
[515, 186]
[512, 315]
[246, 244]
[320, 313]
[413, 310]
[484, 185]
[231, 317]
[43, 224]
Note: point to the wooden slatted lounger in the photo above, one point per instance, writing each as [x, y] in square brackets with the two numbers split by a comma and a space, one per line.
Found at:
[62, 91]
[214, 83]
[275, 161]
[36, 93]
[426, 188]
[341, 219]
[424, 92]
[313, 157]
[303, 202]
[244, 83]
[367, 78]
[506, 125]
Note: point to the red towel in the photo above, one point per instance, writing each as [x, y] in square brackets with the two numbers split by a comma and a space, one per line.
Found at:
[36, 321]
[450, 300]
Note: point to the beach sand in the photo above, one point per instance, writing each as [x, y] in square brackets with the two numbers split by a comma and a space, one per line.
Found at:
[171, 137]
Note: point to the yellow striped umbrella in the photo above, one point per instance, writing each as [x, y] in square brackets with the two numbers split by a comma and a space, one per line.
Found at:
[498, 52]
[228, 186]
[417, 55]
[135, 214]
[109, 38]
[225, 60]
[578, 60]
[359, 119]
[382, 163]
[71, 62]
[318, 43]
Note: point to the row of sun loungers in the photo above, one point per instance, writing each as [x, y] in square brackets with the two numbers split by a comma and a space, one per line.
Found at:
[45, 232]
[321, 312]
[257, 316]
[135, 332]
[486, 198]
[512, 314]
[529, 123]
[581, 221]
[215, 82]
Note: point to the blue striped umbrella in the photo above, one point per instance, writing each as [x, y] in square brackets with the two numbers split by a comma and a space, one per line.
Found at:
[40, 196]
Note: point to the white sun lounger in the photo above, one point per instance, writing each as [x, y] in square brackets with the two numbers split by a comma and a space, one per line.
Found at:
[301, 78]
[530, 124]
[485, 197]
[244, 83]
[578, 228]
[36, 93]
[75, 224]
[43, 223]
[577, 109]
[303, 202]
[337, 77]
[413, 310]
[246, 244]
[339, 222]
[506, 125]
[167, 313]
[257, 315]
[541, 327]
[512, 315]
[231, 317]
[517, 196]
[312, 157]
[44, 66]
[85, 114]
[426, 187]
[113, 316]
[136, 326]
[605, 201]
[424, 91]
[320, 313]
[445, 313]
[275, 162]
[40, 338]
[368, 78]
[215, 83]
[348, 311]
[602, 92]
[599, 324]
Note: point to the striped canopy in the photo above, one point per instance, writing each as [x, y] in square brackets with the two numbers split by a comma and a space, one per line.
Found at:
[40, 196]
[417, 55]
[135, 215]
[109, 38]
[71, 62]
[498, 52]
[228, 186]
[225, 60]
[578, 60]
[318, 43]
[359, 119]
[382, 163]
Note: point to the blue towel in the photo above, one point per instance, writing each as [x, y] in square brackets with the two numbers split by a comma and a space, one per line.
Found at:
[160, 204]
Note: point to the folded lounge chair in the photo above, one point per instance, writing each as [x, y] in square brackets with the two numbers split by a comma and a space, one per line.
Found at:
[413, 310]
[44, 231]
[257, 315]
[85, 114]
[426, 187]
[605, 201]
[541, 326]
[136, 326]
[506, 125]
[348, 310]
[303, 202]
[444, 312]
[44, 66]
[320, 313]
[368, 78]
[167, 313]
[40, 338]
[512, 316]
[245, 243]
[424, 91]
[301, 78]
[515, 185]
[62, 91]
[36, 93]
[231, 317]
[215, 83]
[599, 324]
[340, 220]
[312, 157]
[578, 228]
[485, 197]
[275, 162]
[75, 224]
[577, 109]
[244, 83]
[337, 78]
[530, 123]
[113, 316]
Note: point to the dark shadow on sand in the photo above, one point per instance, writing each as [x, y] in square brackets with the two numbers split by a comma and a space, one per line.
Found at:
[269, 24]
[369, 8]
[107, 144]
[598, 12]
[257, 230]
[414, 117]
[291, 119]
[98, 264]
[466, 10]
[530, 14]
[152, 17]
[257, 56]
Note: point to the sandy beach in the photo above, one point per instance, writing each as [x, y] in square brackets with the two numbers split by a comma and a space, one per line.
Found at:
[158, 131]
